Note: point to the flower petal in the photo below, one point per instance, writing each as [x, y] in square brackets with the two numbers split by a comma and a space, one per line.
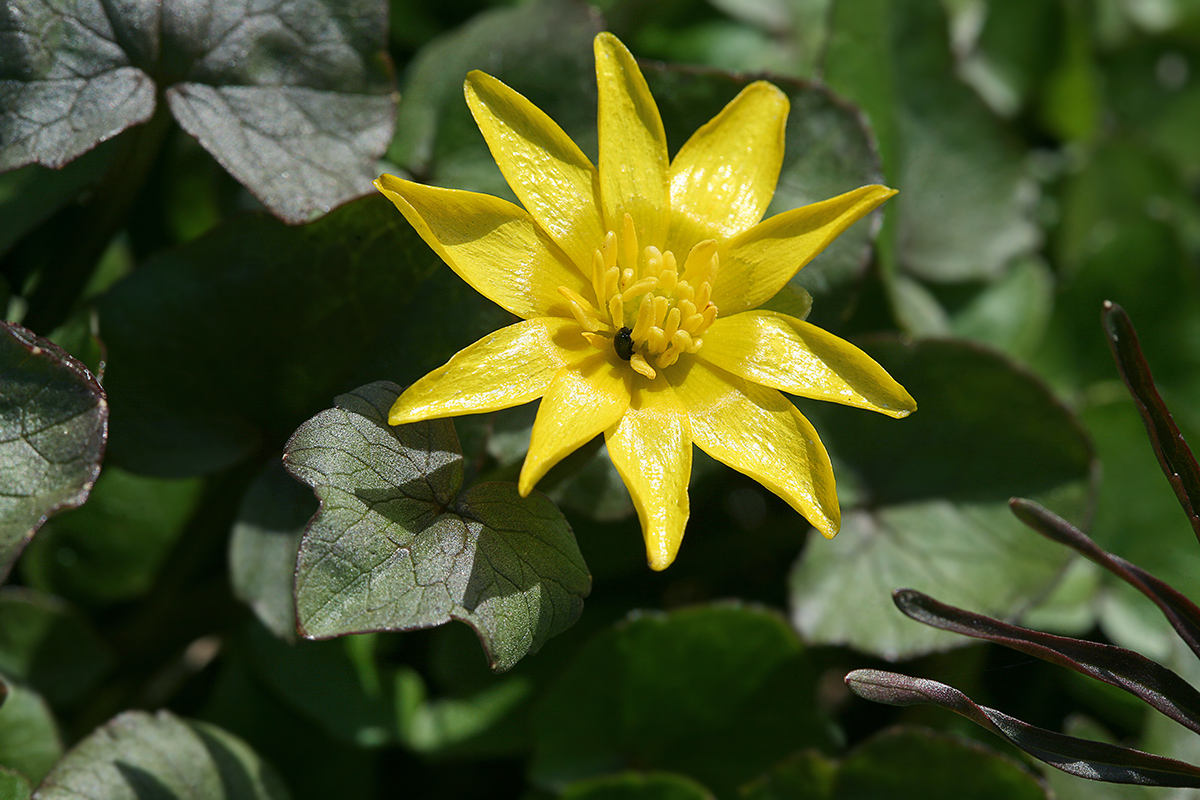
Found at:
[550, 175]
[755, 430]
[512, 366]
[651, 449]
[493, 245]
[756, 264]
[723, 178]
[633, 146]
[799, 358]
[583, 400]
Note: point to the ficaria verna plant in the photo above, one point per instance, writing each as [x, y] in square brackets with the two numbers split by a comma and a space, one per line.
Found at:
[638, 283]
[1154, 684]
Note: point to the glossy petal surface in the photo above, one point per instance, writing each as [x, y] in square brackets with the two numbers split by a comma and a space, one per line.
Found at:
[512, 366]
[633, 146]
[652, 450]
[759, 433]
[583, 400]
[550, 175]
[492, 244]
[757, 263]
[799, 358]
[724, 176]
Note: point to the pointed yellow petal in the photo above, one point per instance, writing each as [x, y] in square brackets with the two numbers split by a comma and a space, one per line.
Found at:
[755, 430]
[583, 400]
[633, 146]
[651, 449]
[756, 264]
[512, 366]
[723, 178]
[492, 244]
[550, 175]
[799, 358]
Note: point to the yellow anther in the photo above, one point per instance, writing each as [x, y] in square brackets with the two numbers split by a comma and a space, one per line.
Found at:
[696, 344]
[610, 250]
[655, 341]
[671, 324]
[653, 262]
[616, 311]
[682, 340]
[645, 318]
[598, 341]
[638, 289]
[700, 265]
[686, 307]
[684, 291]
[692, 323]
[661, 306]
[709, 314]
[587, 316]
[703, 294]
[612, 280]
[641, 366]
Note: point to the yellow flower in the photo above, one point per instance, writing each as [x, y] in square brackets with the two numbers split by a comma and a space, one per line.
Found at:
[636, 283]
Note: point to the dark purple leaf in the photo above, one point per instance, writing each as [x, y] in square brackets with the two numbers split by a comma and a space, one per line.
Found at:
[1174, 456]
[1095, 761]
[1182, 613]
[1158, 686]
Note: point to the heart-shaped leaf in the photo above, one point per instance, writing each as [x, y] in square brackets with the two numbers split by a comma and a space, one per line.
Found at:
[53, 426]
[397, 544]
[926, 498]
[295, 99]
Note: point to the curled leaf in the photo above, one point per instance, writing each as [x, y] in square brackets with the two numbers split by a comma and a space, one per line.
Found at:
[1096, 761]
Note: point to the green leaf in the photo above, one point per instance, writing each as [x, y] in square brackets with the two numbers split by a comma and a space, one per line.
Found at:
[541, 49]
[66, 83]
[29, 740]
[925, 499]
[398, 546]
[710, 692]
[138, 755]
[263, 548]
[349, 700]
[13, 785]
[637, 786]
[227, 344]
[916, 763]
[807, 775]
[50, 647]
[481, 724]
[111, 549]
[296, 100]
[965, 189]
[53, 424]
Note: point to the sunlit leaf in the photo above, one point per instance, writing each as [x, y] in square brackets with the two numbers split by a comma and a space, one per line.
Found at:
[53, 425]
[295, 100]
[925, 499]
[397, 544]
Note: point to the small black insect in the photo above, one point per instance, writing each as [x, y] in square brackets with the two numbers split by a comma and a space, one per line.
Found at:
[623, 343]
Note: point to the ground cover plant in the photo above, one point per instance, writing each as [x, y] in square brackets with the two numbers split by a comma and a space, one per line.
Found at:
[589, 562]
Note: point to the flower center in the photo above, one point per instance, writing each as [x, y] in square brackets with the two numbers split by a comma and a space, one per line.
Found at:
[649, 312]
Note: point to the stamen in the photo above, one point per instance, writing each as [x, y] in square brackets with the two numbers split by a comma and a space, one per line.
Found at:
[653, 262]
[598, 341]
[639, 288]
[671, 325]
[587, 317]
[641, 366]
[645, 318]
[616, 311]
